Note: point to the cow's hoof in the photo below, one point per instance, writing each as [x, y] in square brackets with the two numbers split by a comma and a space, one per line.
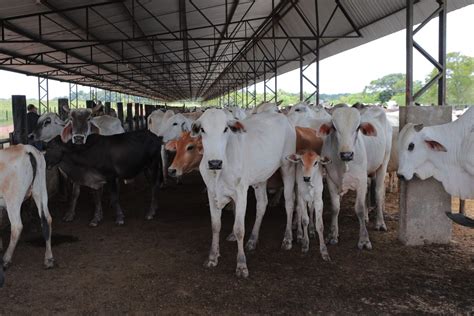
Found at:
[68, 218]
[149, 217]
[364, 244]
[312, 234]
[242, 271]
[299, 239]
[251, 245]
[94, 222]
[304, 246]
[231, 237]
[49, 263]
[119, 222]
[330, 240]
[210, 263]
[381, 227]
[286, 244]
[6, 264]
[325, 256]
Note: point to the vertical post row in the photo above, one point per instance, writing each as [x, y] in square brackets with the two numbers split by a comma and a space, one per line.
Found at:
[19, 135]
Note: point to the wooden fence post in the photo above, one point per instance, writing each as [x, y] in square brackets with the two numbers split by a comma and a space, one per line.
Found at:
[20, 131]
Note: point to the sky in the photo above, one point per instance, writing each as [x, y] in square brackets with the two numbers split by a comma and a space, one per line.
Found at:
[347, 72]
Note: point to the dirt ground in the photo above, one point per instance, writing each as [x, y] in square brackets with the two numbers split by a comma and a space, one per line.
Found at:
[157, 266]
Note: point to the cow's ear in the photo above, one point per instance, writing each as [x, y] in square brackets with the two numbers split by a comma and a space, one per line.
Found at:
[294, 158]
[171, 145]
[325, 129]
[184, 127]
[325, 161]
[66, 133]
[195, 129]
[418, 127]
[94, 128]
[434, 145]
[367, 129]
[236, 126]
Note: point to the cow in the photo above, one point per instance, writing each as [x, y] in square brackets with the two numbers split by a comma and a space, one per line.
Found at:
[107, 159]
[266, 107]
[309, 184]
[80, 125]
[358, 146]
[239, 154]
[50, 125]
[300, 114]
[23, 174]
[445, 152]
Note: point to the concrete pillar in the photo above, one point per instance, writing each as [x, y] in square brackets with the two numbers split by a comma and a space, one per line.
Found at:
[423, 203]
[107, 107]
[90, 104]
[120, 111]
[62, 113]
[130, 116]
[136, 116]
[20, 134]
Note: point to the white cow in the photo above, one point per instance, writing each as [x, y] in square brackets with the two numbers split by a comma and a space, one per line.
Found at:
[266, 107]
[445, 152]
[301, 114]
[23, 174]
[354, 156]
[238, 154]
[309, 183]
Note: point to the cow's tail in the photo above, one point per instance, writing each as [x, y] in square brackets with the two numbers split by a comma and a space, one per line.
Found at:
[38, 165]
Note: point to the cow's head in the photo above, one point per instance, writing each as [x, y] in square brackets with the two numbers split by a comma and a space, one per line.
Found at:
[173, 127]
[80, 125]
[188, 154]
[49, 125]
[215, 127]
[345, 125]
[414, 151]
[310, 161]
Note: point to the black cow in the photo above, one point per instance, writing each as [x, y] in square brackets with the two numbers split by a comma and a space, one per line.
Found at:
[108, 159]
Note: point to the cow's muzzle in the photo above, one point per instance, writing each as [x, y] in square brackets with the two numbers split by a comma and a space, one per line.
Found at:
[306, 179]
[172, 172]
[79, 139]
[347, 155]
[215, 164]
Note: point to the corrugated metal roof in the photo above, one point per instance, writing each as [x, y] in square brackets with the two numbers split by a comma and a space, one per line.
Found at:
[182, 49]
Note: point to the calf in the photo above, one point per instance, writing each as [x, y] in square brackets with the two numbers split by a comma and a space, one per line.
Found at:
[354, 156]
[23, 174]
[105, 159]
[238, 154]
[309, 183]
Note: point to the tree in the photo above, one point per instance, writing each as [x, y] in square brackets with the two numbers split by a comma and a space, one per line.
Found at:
[459, 81]
[387, 86]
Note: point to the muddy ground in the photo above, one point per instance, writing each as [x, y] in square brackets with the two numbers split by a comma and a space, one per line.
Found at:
[157, 266]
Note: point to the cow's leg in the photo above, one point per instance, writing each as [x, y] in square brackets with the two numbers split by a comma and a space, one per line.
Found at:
[155, 180]
[300, 208]
[13, 210]
[312, 230]
[380, 198]
[276, 198]
[98, 213]
[304, 223]
[336, 204]
[114, 201]
[216, 229]
[288, 176]
[164, 165]
[262, 202]
[71, 212]
[360, 206]
[318, 217]
[239, 231]
[40, 195]
[231, 205]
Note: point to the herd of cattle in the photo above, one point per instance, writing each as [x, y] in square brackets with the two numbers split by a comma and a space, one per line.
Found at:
[292, 151]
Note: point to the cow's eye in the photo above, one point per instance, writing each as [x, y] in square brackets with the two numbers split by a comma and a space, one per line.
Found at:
[226, 129]
[411, 146]
[297, 110]
[174, 124]
[316, 163]
[202, 130]
[190, 147]
[47, 122]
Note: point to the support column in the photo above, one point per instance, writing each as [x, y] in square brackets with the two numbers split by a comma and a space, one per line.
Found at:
[142, 122]
[62, 113]
[90, 104]
[423, 203]
[130, 116]
[136, 116]
[120, 111]
[107, 107]
[20, 134]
